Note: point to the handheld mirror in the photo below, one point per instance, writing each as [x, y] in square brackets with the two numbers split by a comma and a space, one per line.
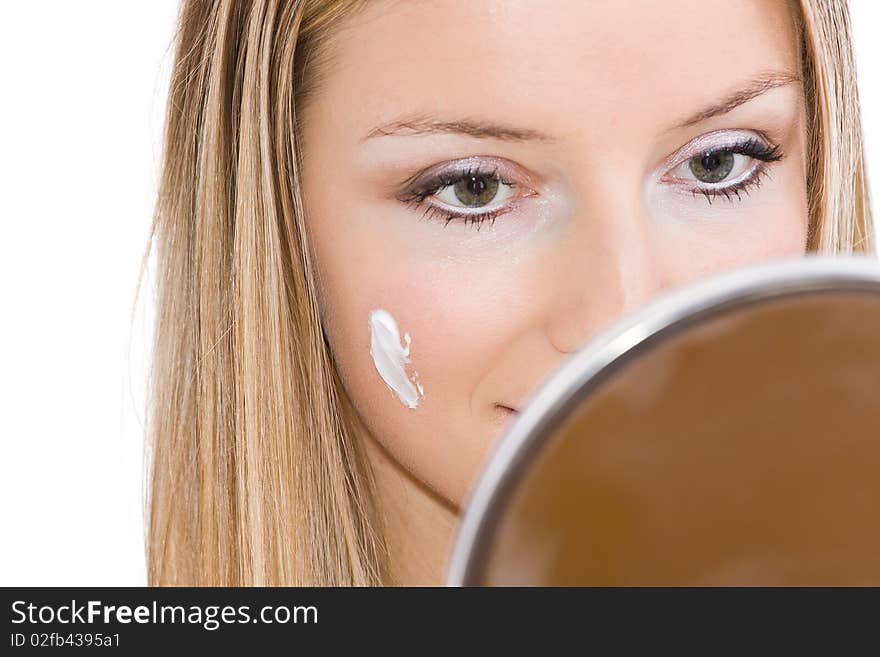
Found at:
[727, 434]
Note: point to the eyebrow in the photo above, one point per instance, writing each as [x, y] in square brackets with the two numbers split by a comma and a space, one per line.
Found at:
[754, 87]
[426, 124]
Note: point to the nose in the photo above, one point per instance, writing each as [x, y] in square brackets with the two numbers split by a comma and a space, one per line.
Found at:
[609, 265]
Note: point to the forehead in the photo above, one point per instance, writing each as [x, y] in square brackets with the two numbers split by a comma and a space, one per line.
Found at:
[554, 65]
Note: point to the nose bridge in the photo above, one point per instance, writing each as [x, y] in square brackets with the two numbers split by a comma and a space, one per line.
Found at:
[633, 245]
[611, 262]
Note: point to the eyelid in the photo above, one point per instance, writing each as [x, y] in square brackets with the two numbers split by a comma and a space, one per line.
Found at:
[503, 169]
[708, 142]
[520, 192]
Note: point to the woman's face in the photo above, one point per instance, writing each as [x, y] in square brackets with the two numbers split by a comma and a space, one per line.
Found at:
[505, 178]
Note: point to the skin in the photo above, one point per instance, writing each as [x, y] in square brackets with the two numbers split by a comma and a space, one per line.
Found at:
[600, 218]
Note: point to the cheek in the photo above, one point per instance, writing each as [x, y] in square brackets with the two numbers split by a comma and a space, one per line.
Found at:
[451, 325]
[776, 227]
[772, 226]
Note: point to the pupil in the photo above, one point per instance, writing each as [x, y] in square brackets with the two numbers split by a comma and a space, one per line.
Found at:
[476, 185]
[710, 161]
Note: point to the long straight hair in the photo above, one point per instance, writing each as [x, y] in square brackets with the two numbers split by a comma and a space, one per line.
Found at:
[256, 477]
[837, 182]
[254, 468]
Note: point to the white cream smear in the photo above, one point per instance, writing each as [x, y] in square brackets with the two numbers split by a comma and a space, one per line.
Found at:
[391, 358]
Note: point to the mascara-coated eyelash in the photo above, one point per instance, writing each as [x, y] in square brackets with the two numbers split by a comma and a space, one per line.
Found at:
[416, 195]
[753, 148]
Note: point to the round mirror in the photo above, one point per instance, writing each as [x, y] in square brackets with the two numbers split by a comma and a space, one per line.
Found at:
[727, 434]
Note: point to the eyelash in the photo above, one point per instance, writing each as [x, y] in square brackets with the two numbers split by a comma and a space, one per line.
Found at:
[416, 197]
[752, 147]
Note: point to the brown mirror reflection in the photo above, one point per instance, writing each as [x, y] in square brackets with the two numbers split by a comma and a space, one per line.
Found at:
[742, 448]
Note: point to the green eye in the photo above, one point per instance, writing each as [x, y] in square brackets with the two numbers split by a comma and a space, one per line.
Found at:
[712, 166]
[476, 190]
[471, 195]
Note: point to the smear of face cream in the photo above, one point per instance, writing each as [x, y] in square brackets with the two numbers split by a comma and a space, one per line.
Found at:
[391, 358]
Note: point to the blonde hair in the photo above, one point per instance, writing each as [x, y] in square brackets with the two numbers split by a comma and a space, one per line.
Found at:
[256, 475]
[837, 182]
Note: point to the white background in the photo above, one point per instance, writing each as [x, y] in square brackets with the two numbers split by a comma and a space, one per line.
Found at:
[84, 87]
